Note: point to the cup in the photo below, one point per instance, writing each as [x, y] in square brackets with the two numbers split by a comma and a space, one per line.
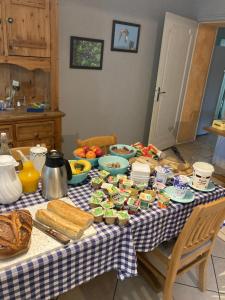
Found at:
[38, 156]
[202, 173]
[162, 174]
[180, 184]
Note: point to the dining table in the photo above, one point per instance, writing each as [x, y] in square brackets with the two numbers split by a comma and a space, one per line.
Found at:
[113, 247]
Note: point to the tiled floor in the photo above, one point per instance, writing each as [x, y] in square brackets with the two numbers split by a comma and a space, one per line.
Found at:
[107, 287]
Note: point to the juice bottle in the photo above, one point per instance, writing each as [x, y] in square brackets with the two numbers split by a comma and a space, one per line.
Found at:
[29, 177]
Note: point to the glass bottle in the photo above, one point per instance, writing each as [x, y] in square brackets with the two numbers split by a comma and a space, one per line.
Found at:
[4, 149]
[29, 177]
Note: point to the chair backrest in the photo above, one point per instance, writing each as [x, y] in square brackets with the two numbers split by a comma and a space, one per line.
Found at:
[15, 154]
[104, 142]
[200, 230]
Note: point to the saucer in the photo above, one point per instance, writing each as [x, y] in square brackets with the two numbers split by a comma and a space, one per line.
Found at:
[189, 196]
[211, 187]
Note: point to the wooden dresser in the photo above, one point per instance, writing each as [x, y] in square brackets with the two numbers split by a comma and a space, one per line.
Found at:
[29, 54]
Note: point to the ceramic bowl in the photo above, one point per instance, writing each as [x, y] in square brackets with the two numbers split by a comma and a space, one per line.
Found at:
[127, 156]
[108, 159]
[78, 178]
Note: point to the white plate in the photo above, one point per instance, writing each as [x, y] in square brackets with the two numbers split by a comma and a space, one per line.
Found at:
[211, 187]
[189, 197]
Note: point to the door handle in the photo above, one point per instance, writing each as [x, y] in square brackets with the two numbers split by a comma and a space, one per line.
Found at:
[158, 91]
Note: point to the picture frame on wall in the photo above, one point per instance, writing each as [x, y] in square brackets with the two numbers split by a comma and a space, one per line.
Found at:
[125, 36]
[86, 53]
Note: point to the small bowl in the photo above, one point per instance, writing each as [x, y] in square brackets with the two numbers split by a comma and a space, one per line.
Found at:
[78, 178]
[104, 160]
[93, 161]
[127, 156]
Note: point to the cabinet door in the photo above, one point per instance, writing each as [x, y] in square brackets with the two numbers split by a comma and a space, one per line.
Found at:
[28, 27]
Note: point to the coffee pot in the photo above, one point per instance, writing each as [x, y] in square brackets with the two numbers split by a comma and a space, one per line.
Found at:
[55, 174]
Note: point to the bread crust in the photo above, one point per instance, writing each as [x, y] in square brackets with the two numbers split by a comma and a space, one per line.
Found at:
[56, 222]
[15, 233]
[71, 213]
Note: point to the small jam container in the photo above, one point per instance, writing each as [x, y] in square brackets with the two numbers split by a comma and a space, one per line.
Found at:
[107, 204]
[145, 200]
[123, 218]
[98, 194]
[113, 180]
[110, 216]
[119, 202]
[163, 200]
[94, 202]
[96, 182]
[133, 205]
[103, 174]
[98, 214]
[126, 184]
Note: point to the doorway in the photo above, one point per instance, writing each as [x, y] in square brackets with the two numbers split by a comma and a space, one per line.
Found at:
[197, 81]
[213, 106]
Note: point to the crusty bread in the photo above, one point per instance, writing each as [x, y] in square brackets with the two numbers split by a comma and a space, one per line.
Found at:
[15, 233]
[71, 213]
[56, 222]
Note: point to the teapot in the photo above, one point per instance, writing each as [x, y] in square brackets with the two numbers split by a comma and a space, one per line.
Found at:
[11, 187]
[55, 174]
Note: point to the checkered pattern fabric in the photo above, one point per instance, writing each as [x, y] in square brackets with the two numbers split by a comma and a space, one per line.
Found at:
[111, 248]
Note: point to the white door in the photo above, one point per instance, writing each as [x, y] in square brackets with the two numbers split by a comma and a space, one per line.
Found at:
[175, 57]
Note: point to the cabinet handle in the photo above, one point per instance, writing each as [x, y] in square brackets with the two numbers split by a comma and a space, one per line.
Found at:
[10, 20]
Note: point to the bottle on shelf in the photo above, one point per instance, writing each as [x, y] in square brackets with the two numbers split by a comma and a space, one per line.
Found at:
[4, 148]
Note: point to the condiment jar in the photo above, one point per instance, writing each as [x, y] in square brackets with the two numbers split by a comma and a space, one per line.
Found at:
[29, 177]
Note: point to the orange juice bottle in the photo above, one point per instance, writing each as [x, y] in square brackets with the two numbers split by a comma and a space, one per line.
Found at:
[29, 177]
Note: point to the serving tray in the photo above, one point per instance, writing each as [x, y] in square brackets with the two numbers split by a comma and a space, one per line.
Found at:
[41, 243]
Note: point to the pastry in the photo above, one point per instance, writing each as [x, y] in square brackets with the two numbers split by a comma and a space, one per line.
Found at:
[15, 233]
[58, 223]
[71, 213]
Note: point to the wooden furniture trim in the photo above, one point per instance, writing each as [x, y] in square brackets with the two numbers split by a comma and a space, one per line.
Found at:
[193, 246]
[29, 63]
[196, 83]
[54, 42]
[34, 130]
[215, 131]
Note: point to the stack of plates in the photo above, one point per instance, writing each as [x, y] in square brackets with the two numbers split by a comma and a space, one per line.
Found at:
[140, 173]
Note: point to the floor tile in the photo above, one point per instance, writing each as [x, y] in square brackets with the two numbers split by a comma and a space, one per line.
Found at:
[102, 287]
[191, 278]
[189, 293]
[219, 248]
[222, 296]
[219, 265]
[135, 288]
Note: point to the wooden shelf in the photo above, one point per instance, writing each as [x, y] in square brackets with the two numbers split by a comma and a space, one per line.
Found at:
[20, 115]
[215, 131]
[29, 63]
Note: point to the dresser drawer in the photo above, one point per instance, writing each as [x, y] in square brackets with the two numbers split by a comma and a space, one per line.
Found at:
[47, 142]
[34, 131]
[8, 129]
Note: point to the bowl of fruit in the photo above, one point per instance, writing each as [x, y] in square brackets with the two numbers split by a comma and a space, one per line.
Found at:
[113, 164]
[90, 154]
[80, 169]
[122, 150]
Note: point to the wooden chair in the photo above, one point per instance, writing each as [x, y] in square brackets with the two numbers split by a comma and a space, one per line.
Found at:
[104, 142]
[192, 247]
[15, 154]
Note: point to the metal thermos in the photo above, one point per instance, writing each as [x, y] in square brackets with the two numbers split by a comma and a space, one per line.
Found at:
[55, 174]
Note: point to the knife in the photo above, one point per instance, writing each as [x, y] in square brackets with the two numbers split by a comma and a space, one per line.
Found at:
[51, 232]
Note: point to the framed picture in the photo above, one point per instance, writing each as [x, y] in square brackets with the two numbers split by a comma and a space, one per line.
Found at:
[125, 36]
[86, 53]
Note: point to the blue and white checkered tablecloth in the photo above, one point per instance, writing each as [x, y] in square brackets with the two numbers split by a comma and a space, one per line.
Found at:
[111, 248]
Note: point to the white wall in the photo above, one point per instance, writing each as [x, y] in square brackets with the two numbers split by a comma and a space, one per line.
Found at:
[210, 10]
[117, 99]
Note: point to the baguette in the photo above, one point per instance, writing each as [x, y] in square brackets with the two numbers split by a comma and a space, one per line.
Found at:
[56, 222]
[71, 213]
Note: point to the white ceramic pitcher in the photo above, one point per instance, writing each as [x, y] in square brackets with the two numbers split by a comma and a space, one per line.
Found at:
[11, 187]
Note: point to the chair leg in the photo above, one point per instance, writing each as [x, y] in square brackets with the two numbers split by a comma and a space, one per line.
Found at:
[168, 289]
[202, 275]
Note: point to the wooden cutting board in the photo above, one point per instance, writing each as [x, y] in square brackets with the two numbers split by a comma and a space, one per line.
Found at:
[41, 243]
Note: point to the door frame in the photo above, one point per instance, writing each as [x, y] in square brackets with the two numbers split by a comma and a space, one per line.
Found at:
[195, 89]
